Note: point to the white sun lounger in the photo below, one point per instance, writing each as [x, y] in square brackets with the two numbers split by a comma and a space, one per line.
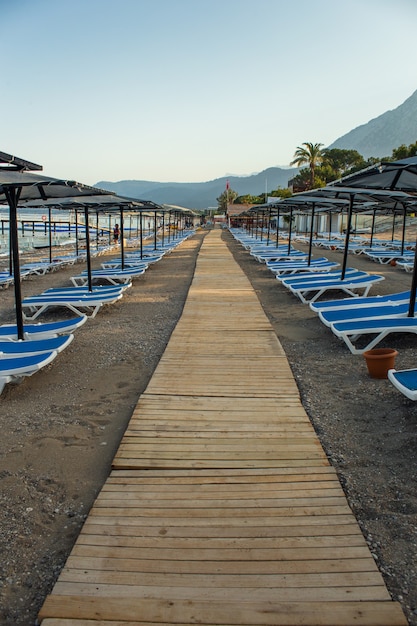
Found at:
[12, 369]
[405, 381]
[286, 268]
[89, 304]
[112, 276]
[28, 347]
[314, 277]
[349, 314]
[43, 330]
[311, 291]
[378, 329]
[332, 305]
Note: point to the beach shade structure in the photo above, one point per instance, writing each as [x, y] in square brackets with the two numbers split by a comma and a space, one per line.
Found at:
[389, 175]
[395, 177]
[18, 185]
[95, 204]
[313, 204]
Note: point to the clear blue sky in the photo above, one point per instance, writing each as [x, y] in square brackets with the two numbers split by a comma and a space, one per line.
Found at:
[192, 90]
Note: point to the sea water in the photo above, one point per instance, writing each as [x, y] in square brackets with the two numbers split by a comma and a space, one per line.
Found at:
[33, 228]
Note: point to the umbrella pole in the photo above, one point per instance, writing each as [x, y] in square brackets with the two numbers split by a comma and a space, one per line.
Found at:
[348, 228]
[403, 231]
[155, 239]
[413, 289]
[277, 233]
[50, 233]
[122, 237]
[76, 234]
[289, 234]
[87, 249]
[310, 244]
[141, 234]
[12, 196]
[373, 228]
[268, 232]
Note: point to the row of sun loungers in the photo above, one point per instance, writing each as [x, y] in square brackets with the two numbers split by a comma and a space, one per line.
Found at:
[44, 341]
[361, 322]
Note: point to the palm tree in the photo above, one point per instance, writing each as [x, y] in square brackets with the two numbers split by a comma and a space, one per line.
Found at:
[309, 155]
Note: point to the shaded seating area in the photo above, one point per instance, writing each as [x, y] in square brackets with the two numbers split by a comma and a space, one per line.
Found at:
[20, 186]
[389, 189]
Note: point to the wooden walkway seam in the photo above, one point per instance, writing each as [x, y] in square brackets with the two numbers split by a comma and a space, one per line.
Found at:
[221, 507]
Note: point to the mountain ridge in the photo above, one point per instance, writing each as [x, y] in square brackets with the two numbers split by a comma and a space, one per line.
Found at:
[379, 136]
[376, 138]
[203, 194]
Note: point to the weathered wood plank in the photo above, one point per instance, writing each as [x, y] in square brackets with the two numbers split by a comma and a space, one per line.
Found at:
[269, 613]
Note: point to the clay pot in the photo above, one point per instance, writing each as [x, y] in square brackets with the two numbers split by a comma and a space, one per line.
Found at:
[379, 361]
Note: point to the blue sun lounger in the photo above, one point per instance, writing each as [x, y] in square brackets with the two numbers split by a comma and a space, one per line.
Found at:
[405, 381]
[378, 328]
[44, 329]
[132, 261]
[35, 346]
[331, 305]
[96, 290]
[293, 255]
[88, 303]
[12, 369]
[314, 277]
[287, 268]
[310, 291]
[364, 313]
[112, 276]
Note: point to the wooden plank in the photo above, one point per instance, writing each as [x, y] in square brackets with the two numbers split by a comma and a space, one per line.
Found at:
[308, 572]
[339, 593]
[216, 543]
[308, 519]
[270, 613]
[346, 528]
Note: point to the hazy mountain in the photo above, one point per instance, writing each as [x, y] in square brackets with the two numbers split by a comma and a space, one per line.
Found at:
[376, 138]
[382, 134]
[200, 195]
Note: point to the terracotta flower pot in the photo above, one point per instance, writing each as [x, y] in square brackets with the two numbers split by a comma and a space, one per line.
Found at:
[379, 361]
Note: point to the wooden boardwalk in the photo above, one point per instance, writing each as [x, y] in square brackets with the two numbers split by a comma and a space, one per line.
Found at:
[221, 508]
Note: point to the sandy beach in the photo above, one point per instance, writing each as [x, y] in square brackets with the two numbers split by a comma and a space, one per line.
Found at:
[61, 427]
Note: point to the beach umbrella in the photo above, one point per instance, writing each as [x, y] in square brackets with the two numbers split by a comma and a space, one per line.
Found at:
[312, 204]
[398, 175]
[394, 176]
[376, 198]
[19, 186]
[101, 203]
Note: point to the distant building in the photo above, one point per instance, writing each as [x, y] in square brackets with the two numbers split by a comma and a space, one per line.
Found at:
[296, 187]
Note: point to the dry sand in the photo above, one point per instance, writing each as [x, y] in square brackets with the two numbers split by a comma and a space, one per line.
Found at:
[61, 428]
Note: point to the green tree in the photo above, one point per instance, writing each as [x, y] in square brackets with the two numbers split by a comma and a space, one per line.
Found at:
[281, 193]
[311, 155]
[404, 152]
[249, 199]
[337, 163]
[227, 197]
